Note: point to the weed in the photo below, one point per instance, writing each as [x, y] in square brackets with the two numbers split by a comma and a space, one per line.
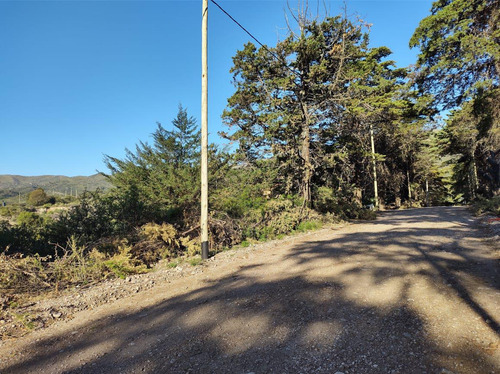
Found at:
[308, 225]
[195, 261]
[25, 319]
[70, 265]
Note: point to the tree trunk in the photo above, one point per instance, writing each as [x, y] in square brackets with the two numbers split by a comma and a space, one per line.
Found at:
[374, 164]
[471, 190]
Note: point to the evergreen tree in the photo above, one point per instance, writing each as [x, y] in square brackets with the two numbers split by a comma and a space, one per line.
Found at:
[459, 63]
[163, 178]
[186, 135]
[287, 96]
[459, 49]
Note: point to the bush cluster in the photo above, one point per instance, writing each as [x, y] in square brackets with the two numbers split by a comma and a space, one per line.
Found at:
[70, 265]
[491, 205]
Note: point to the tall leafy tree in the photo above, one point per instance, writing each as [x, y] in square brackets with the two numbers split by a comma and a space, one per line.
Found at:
[377, 105]
[432, 171]
[459, 49]
[287, 96]
[459, 63]
[471, 135]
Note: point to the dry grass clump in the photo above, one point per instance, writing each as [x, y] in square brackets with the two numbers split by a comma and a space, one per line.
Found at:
[161, 241]
[69, 266]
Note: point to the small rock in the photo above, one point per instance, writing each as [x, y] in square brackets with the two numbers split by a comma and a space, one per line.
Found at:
[56, 314]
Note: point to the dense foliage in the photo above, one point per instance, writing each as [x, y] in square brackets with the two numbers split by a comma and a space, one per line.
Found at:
[323, 124]
[459, 63]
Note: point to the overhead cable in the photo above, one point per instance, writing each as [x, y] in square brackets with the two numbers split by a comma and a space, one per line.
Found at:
[254, 38]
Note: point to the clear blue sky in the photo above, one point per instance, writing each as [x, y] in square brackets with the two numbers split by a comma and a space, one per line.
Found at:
[80, 79]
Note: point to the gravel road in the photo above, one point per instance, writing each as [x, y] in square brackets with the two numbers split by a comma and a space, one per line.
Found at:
[416, 291]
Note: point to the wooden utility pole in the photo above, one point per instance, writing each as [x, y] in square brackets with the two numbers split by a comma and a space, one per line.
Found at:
[426, 191]
[204, 132]
[409, 185]
[374, 162]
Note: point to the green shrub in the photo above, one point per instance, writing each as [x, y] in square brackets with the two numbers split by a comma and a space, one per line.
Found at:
[277, 218]
[491, 205]
[308, 225]
[324, 200]
[38, 197]
[29, 219]
[7, 211]
[366, 214]
[121, 265]
[195, 261]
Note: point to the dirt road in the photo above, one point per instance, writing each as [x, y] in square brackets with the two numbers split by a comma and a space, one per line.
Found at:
[417, 291]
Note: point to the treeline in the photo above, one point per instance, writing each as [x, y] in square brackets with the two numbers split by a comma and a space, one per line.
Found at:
[459, 65]
[324, 124]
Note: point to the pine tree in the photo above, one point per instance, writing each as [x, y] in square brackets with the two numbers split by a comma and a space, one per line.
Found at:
[459, 49]
[163, 177]
[286, 97]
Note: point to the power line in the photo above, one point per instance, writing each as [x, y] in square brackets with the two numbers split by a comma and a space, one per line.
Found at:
[253, 37]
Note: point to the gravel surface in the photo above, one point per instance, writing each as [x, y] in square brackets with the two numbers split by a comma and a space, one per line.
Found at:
[416, 291]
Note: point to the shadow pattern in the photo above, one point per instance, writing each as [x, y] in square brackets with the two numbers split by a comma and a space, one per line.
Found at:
[301, 323]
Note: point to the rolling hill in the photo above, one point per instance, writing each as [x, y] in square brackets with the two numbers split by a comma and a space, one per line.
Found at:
[13, 185]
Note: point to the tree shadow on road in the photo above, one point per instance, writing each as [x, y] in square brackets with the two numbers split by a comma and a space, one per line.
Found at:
[243, 325]
[454, 261]
[296, 324]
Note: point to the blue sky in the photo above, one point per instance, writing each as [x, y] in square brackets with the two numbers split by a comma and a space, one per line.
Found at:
[80, 79]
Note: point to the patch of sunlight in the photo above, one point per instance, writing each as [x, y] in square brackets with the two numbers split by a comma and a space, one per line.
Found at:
[240, 334]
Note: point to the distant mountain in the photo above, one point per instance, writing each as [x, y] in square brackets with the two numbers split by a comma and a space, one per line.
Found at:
[12, 185]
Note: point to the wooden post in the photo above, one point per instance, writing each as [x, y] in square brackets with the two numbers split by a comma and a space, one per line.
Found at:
[409, 186]
[474, 179]
[426, 192]
[375, 186]
[204, 132]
